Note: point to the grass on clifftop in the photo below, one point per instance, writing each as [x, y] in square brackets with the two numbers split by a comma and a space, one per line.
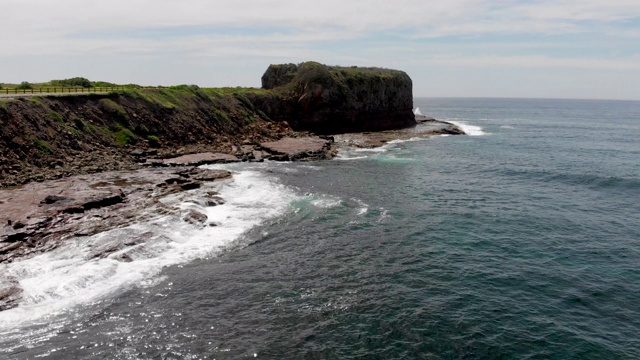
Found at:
[76, 82]
[171, 97]
[292, 77]
[229, 91]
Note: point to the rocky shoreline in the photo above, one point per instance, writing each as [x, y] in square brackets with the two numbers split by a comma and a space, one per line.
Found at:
[35, 216]
[75, 166]
[40, 216]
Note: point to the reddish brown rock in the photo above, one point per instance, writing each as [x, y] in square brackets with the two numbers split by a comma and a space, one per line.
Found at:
[303, 148]
[196, 159]
[205, 174]
[39, 217]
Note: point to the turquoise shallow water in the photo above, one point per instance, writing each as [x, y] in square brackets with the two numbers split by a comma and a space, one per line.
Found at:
[522, 242]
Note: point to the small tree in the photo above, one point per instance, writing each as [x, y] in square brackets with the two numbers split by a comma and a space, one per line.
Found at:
[25, 85]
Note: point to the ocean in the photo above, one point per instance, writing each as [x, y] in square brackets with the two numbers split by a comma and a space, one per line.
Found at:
[519, 241]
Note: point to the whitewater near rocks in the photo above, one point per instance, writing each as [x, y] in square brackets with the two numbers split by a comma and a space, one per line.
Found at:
[103, 213]
[518, 242]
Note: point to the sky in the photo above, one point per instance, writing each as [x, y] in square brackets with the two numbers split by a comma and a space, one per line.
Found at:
[450, 48]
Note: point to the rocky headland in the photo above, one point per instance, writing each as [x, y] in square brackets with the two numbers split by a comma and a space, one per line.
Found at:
[73, 166]
[331, 99]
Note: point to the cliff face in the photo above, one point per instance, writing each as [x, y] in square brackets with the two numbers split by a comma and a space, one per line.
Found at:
[56, 136]
[327, 99]
[44, 137]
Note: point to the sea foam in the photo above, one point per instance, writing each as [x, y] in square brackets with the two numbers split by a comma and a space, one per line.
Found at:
[55, 282]
[471, 130]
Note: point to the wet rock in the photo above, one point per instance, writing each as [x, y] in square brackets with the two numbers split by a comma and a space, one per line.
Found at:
[209, 174]
[10, 247]
[141, 155]
[195, 217]
[10, 295]
[15, 236]
[213, 201]
[453, 130]
[198, 159]
[73, 210]
[103, 200]
[106, 249]
[423, 119]
[191, 185]
[124, 258]
[39, 217]
[259, 156]
[155, 163]
[51, 199]
[176, 180]
[376, 139]
[143, 152]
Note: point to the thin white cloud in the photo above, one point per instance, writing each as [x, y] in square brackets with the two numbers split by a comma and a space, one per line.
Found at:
[537, 34]
[539, 61]
[33, 18]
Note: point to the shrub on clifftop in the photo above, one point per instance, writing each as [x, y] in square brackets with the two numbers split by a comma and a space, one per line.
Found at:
[76, 81]
[25, 85]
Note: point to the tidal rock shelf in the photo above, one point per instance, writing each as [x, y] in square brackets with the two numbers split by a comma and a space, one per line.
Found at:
[38, 217]
[428, 127]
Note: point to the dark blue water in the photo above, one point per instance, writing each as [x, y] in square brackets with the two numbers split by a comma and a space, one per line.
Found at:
[520, 243]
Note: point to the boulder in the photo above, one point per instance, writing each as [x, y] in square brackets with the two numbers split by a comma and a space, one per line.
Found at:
[10, 295]
[206, 174]
[195, 217]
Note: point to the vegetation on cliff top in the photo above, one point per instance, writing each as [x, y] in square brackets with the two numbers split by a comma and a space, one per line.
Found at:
[46, 131]
[75, 82]
[291, 75]
[66, 133]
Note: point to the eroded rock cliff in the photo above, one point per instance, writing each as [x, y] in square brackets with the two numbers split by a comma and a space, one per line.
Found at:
[58, 136]
[45, 137]
[331, 99]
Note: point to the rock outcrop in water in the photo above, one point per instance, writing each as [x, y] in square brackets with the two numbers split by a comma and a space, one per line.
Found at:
[331, 99]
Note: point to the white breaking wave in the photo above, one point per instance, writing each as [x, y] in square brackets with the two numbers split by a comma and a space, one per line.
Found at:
[326, 203]
[56, 281]
[417, 111]
[363, 207]
[358, 153]
[372, 150]
[471, 130]
[365, 153]
[343, 157]
[400, 141]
